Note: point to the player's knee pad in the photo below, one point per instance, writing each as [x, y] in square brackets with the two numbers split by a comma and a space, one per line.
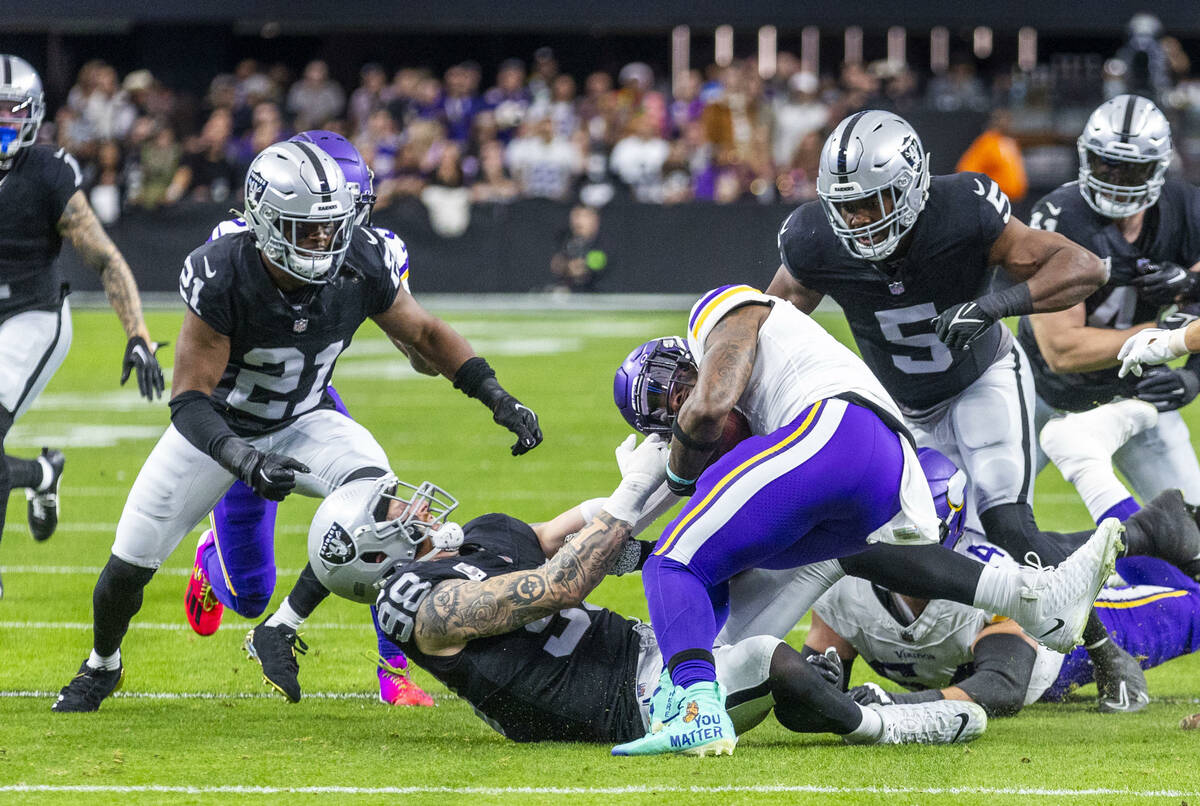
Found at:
[744, 669]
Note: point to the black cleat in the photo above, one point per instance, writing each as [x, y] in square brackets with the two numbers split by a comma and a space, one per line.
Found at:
[275, 650]
[1169, 531]
[1120, 682]
[43, 503]
[87, 689]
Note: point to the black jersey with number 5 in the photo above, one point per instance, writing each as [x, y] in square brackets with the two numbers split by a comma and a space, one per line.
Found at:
[33, 194]
[567, 677]
[1170, 233]
[282, 348]
[890, 305]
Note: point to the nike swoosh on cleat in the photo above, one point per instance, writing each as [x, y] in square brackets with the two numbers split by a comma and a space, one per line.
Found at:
[1055, 628]
[962, 718]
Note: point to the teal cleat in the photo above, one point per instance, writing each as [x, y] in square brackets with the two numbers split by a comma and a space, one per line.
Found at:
[664, 703]
[699, 725]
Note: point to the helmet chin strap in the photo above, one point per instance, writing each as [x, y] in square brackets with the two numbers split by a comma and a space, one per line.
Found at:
[447, 537]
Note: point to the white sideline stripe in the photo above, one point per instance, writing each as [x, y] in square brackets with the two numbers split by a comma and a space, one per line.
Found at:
[216, 695]
[148, 625]
[601, 790]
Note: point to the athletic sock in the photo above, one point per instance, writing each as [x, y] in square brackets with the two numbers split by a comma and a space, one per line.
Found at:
[108, 663]
[285, 616]
[387, 649]
[997, 590]
[1120, 510]
[115, 600]
[692, 669]
[27, 472]
[871, 727]
[307, 593]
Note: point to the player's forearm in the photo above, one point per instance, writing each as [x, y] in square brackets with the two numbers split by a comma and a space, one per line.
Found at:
[1084, 349]
[443, 349]
[123, 296]
[1067, 277]
[1191, 337]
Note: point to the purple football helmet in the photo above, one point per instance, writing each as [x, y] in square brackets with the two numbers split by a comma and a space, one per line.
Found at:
[353, 165]
[645, 381]
[949, 487]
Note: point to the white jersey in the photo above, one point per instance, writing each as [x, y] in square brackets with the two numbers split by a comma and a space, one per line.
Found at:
[929, 652]
[390, 239]
[798, 363]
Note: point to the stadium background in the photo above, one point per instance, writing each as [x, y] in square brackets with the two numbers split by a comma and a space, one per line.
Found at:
[196, 724]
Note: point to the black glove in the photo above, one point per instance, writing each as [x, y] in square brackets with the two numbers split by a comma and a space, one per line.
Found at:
[1168, 389]
[829, 665]
[870, 694]
[1173, 318]
[271, 475]
[521, 421]
[961, 324]
[139, 356]
[1163, 283]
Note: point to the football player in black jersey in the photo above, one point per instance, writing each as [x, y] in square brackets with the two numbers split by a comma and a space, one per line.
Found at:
[39, 191]
[268, 313]
[496, 610]
[909, 258]
[1123, 207]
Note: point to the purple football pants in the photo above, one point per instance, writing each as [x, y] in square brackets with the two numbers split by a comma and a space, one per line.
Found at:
[241, 563]
[811, 491]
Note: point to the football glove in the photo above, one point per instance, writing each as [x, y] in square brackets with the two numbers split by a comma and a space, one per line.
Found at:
[1163, 283]
[1150, 346]
[829, 665]
[519, 419]
[139, 357]
[271, 475]
[1168, 389]
[961, 324]
[870, 694]
[1173, 318]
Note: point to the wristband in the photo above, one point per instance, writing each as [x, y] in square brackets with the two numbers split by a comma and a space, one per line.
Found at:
[1012, 301]
[689, 442]
[1176, 343]
[676, 479]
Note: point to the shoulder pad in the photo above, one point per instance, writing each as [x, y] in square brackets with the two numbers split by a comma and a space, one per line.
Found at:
[713, 307]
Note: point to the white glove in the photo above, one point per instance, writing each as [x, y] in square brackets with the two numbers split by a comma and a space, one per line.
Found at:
[624, 451]
[644, 471]
[1150, 346]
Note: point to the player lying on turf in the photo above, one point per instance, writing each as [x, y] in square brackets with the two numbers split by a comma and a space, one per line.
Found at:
[269, 312]
[235, 559]
[943, 649]
[496, 610]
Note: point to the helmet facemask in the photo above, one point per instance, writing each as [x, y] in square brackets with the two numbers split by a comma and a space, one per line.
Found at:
[20, 118]
[1116, 183]
[665, 372]
[893, 208]
[311, 247]
[364, 200]
[424, 513]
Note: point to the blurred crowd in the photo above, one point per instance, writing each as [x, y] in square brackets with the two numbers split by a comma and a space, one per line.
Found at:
[719, 135]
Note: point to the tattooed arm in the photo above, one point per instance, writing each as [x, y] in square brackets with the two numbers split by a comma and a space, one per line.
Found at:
[729, 355]
[457, 611]
[79, 225]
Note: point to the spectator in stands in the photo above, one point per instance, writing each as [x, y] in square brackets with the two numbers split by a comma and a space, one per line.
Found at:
[206, 172]
[545, 71]
[580, 260]
[493, 184]
[370, 96]
[379, 143]
[266, 128]
[315, 99]
[686, 105]
[104, 183]
[1147, 71]
[509, 100]
[638, 159]
[426, 103]
[106, 109]
[796, 115]
[959, 89]
[460, 104]
[597, 111]
[797, 181]
[996, 153]
[544, 164]
[402, 92]
[157, 162]
[445, 195]
[560, 106]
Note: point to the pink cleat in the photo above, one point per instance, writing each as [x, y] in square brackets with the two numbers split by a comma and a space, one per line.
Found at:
[395, 687]
[203, 610]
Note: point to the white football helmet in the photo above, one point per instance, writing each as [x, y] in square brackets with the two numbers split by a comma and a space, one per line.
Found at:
[873, 159]
[300, 209]
[354, 539]
[1124, 152]
[22, 107]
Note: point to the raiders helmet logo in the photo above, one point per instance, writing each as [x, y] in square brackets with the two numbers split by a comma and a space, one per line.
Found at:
[256, 186]
[336, 546]
[912, 154]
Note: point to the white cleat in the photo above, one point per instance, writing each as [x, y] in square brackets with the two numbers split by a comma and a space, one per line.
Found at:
[1094, 435]
[1054, 603]
[938, 722]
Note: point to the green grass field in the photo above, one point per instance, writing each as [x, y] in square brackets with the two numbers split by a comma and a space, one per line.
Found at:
[197, 724]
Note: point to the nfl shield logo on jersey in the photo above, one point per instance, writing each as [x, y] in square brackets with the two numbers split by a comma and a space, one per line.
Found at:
[300, 325]
[336, 546]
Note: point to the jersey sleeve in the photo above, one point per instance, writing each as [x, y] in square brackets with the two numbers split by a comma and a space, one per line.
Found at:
[713, 307]
[384, 274]
[801, 239]
[204, 291]
[65, 178]
[399, 250]
[229, 227]
[994, 208]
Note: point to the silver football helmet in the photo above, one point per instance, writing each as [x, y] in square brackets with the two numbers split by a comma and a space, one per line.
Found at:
[873, 164]
[366, 526]
[1124, 152]
[22, 107]
[300, 209]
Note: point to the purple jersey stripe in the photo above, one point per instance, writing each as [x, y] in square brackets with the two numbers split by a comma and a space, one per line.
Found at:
[707, 299]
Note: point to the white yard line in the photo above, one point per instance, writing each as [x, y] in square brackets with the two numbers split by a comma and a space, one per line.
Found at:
[519, 791]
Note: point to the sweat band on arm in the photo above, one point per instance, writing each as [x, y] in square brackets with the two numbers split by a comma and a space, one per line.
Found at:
[477, 379]
[194, 417]
[1012, 301]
